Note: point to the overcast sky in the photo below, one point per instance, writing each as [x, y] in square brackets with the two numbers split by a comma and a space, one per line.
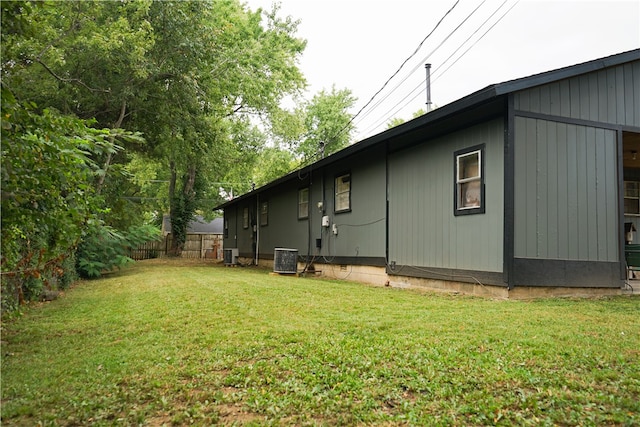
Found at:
[360, 44]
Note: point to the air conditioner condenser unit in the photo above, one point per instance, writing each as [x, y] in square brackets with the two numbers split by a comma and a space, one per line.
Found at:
[231, 256]
[285, 260]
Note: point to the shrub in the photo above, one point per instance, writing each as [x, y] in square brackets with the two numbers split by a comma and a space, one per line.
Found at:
[103, 248]
[68, 272]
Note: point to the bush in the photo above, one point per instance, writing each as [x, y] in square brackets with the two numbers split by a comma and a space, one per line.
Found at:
[68, 272]
[103, 248]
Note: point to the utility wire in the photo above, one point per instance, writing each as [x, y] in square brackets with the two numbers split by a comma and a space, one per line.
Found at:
[481, 37]
[398, 70]
[422, 61]
[315, 156]
[388, 114]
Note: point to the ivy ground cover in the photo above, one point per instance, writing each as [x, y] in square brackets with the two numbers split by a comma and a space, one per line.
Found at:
[167, 343]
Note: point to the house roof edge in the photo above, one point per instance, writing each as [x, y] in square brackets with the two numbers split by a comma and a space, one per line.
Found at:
[474, 99]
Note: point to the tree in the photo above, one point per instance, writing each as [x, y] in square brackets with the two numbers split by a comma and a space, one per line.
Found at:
[327, 124]
[272, 163]
[48, 192]
[397, 121]
[182, 73]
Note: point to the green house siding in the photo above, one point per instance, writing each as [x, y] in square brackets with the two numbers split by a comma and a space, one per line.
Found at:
[566, 204]
[423, 230]
[551, 146]
[244, 236]
[231, 224]
[609, 96]
[284, 229]
[361, 231]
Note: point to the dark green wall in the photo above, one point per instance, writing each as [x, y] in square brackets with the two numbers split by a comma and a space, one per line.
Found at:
[423, 230]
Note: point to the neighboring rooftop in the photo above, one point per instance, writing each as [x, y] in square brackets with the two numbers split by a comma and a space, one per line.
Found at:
[198, 225]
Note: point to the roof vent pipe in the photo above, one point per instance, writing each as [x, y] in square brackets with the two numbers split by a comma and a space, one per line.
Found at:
[428, 69]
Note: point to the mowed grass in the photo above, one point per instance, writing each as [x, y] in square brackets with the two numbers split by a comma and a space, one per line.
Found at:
[169, 344]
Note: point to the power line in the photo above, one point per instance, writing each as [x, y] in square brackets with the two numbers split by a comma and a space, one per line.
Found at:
[481, 37]
[398, 70]
[387, 115]
[423, 60]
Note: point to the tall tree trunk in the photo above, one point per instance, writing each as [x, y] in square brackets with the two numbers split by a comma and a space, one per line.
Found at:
[182, 206]
[107, 162]
[174, 249]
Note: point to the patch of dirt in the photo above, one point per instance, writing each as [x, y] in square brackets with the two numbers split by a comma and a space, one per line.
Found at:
[159, 421]
[234, 414]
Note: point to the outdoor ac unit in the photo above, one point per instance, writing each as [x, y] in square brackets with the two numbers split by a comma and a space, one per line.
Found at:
[231, 256]
[285, 260]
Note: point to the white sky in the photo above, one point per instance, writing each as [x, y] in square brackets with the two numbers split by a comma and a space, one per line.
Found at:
[359, 44]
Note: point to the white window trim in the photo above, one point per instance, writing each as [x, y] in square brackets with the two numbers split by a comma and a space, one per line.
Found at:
[245, 218]
[459, 208]
[301, 203]
[337, 194]
[264, 214]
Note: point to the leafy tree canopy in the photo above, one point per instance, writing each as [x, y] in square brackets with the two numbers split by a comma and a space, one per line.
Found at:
[186, 74]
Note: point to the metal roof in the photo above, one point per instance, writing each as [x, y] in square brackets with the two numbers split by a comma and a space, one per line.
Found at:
[476, 99]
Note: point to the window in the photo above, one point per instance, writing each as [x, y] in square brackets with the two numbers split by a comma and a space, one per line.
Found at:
[343, 193]
[264, 213]
[632, 198]
[245, 218]
[226, 228]
[469, 179]
[303, 203]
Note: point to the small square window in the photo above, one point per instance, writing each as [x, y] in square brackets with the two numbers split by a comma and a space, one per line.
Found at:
[303, 203]
[343, 193]
[469, 181]
[264, 213]
[245, 218]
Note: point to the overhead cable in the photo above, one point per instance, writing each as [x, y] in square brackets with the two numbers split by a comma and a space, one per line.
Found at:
[384, 85]
[423, 60]
[398, 70]
[392, 111]
[481, 37]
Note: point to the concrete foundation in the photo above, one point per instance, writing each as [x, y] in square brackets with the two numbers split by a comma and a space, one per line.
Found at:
[378, 276]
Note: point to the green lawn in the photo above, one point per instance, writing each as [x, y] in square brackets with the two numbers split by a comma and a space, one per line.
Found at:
[161, 343]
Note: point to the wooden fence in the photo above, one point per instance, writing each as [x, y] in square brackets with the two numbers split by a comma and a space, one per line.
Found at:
[195, 246]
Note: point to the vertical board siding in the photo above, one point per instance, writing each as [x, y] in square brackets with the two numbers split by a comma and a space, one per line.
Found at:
[231, 219]
[284, 229]
[565, 192]
[608, 96]
[245, 235]
[423, 230]
[564, 218]
[361, 232]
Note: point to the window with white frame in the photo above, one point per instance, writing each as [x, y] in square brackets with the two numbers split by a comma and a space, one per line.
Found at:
[343, 193]
[245, 218]
[469, 181]
[264, 213]
[303, 203]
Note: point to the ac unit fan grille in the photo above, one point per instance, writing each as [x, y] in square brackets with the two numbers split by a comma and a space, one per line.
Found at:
[285, 260]
[231, 256]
